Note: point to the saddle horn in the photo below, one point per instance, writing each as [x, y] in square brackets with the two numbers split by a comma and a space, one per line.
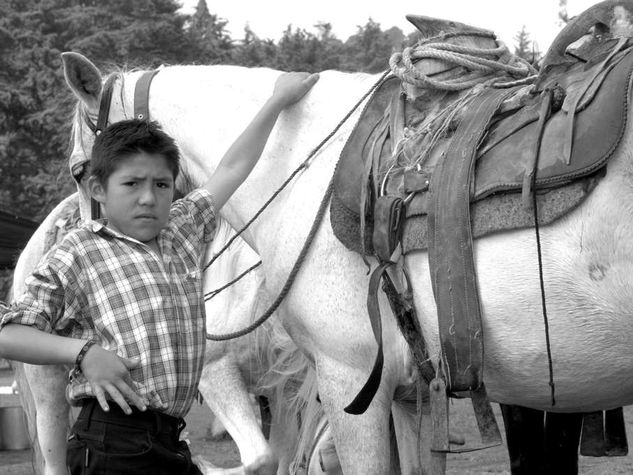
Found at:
[430, 27]
[606, 15]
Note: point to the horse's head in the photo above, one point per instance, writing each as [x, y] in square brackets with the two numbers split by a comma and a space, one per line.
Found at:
[99, 97]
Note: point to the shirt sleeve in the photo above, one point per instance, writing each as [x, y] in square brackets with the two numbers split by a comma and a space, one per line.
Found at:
[42, 304]
[198, 210]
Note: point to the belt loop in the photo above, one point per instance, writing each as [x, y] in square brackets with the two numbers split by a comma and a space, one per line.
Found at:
[158, 422]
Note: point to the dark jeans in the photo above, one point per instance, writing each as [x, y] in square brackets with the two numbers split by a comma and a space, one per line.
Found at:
[108, 443]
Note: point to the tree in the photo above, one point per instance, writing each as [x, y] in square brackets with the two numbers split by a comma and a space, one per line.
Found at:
[35, 104]
[525, 48]
[563, 16]
[368, 50]
[208, 33]
[252, 51]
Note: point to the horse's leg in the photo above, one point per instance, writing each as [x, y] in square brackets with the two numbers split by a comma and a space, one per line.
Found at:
[525, 439]
[362, 441]
[28, 404]
[406, 429]
[562, 437]
[283, 439]
[48, 385]
[225, 393]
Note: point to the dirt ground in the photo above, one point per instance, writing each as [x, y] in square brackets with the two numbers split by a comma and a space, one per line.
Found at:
[223, 453]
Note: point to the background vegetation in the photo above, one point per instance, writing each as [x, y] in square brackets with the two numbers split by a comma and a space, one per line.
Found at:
[35, 104]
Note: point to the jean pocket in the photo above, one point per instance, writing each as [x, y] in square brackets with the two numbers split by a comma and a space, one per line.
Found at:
[123, 441]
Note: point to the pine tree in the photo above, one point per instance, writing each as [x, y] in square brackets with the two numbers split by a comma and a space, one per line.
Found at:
[523, 44]
[208, 33]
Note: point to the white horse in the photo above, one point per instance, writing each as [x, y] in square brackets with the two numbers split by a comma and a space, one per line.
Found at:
[325, 312]
[266, 362]
[205, 108]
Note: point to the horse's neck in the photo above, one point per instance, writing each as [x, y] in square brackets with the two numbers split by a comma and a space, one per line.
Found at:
[206, 108]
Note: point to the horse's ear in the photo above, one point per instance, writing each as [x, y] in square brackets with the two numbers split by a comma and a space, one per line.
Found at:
[430, 27]
[83, 77]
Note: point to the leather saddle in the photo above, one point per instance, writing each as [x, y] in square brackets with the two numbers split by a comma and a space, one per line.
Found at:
[480, 162]
[588, 121]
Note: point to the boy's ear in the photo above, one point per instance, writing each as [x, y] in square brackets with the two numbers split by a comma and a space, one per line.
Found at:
[97, 190]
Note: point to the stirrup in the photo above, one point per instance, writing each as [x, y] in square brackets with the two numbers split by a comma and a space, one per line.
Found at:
[488, 428]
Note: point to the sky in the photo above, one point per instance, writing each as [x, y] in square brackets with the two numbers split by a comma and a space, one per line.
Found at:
[269, 18]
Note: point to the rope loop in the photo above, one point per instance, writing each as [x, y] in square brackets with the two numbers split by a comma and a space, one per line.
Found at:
[481, 64]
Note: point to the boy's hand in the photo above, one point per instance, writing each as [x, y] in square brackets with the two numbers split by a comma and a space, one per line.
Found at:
[290, 87]
[109, 374]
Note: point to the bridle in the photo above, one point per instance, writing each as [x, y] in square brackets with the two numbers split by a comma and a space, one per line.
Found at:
[141, 112]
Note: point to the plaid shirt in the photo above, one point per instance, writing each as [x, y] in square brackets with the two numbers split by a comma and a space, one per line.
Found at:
[98, 283]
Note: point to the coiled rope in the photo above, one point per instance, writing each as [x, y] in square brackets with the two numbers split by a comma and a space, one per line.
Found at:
[482, 64]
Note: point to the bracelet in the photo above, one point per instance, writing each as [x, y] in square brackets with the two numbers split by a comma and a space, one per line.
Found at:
[82, 354]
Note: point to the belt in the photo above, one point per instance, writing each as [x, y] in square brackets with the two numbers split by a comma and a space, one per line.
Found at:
[154, 421]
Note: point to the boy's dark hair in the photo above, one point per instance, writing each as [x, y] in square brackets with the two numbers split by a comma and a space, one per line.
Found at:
[127, 137]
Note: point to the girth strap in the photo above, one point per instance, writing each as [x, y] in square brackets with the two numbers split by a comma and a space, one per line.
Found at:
[451, 248]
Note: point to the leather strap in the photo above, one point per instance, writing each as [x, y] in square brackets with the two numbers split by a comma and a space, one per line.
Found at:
[141, 95]
[361, 402]
[451, 248]
[104, 104]
[102, 123]
[388, 222]
[141, 111]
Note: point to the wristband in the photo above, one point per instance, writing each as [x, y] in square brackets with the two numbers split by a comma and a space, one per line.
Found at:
[82, 354]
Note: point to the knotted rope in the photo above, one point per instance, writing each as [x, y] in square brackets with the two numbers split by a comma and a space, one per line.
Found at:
[482, 64]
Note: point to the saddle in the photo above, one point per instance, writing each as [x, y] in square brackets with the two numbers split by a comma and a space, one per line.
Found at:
[500, 159]
[566, 174]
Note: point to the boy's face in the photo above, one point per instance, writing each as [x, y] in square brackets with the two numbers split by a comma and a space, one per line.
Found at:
[137, 196]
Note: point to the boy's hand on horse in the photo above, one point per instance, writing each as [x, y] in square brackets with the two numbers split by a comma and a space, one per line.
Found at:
[109, 377]
[290, 87]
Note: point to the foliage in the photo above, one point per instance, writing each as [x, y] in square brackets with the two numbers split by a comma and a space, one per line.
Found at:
[369, 49]
[525, 48]
[209, 34]
[36, 106]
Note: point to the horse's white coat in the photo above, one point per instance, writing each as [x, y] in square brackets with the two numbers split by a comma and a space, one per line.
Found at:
[587, 262]
[46, 383]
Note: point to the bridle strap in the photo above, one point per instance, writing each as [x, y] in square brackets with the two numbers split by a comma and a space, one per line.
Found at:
[141, 95]
[102, 123]
[141, 111]
[104, 104]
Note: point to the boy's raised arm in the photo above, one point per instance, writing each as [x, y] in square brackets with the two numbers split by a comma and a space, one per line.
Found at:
[242, 156]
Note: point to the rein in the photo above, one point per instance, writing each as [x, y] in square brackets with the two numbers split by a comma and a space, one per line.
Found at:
[315, 225]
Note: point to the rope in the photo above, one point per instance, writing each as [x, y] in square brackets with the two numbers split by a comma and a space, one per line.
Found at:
[291, 277]
[212, 293]
[482, 64]
[543, 116]
[315, 226]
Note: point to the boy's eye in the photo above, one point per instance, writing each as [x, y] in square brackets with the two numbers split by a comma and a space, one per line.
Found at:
[129, 183]
[164, 185]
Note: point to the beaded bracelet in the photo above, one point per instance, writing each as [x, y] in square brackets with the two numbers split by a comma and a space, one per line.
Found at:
[82, 354]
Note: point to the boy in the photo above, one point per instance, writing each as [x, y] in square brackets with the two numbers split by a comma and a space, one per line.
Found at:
[126, 295]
